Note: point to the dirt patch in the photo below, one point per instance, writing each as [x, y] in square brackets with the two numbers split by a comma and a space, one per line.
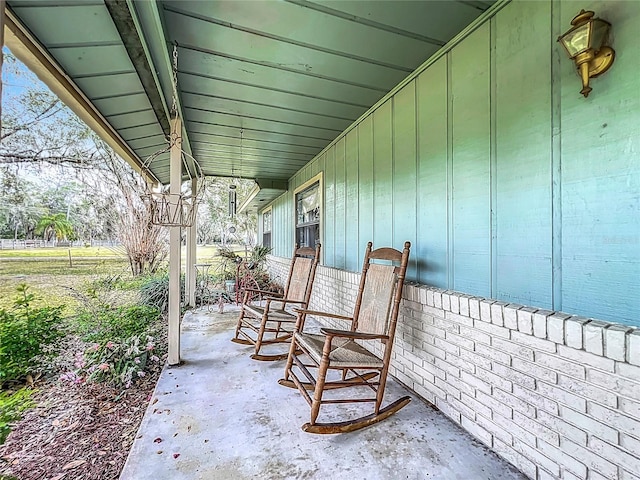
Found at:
[76, 431]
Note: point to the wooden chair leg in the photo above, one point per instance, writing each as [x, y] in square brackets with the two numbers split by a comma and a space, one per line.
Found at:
[292, 352]
[239, 324]
[263, 326]
[236, 338]
[380, 392]
[320, 381]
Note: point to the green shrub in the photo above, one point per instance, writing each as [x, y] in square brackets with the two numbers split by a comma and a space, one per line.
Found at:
[119, 363]
[11, 406]
[154, 292]
[25, 334]
[105, 323]
[118, 356]
[259, 255]
[114, 281]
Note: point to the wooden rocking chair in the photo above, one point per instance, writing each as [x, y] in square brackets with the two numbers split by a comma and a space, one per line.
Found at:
[273, 317]
[347, 352]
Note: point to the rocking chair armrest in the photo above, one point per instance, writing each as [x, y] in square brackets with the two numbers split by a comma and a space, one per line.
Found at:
[331, 332]
[264, 292]
[284, 300]
[322, 314]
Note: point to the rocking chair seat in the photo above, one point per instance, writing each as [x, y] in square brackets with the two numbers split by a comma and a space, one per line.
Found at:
[275, 315]
[345, 353]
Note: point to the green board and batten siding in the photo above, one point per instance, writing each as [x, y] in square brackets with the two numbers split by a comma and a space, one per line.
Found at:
[383, 221]
[508, 183]
[471, 180]
[404, 170]
[523, 156]
[433, 161]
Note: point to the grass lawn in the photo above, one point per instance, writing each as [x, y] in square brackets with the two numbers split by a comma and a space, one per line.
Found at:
[52, 279]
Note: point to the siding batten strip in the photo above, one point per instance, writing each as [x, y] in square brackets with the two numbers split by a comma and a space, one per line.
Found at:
[416, 116]
[556, 164]
[493, 167]
[450, 221]
[393, 167]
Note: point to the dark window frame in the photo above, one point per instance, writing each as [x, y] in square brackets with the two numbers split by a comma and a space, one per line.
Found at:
[267, 234]
[308, 205]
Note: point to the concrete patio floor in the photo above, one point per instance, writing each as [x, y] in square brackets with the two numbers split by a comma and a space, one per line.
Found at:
[222, 415]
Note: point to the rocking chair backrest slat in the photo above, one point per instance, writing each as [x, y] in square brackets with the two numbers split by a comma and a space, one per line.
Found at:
[380, 291]
[305, 252]
[302, 273]
[377, 299]
[386, 253]
[299, 279]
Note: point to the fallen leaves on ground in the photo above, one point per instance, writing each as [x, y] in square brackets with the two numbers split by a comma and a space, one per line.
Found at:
[82, 431]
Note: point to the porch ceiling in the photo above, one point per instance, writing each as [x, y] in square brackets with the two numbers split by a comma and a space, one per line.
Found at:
[291, 75]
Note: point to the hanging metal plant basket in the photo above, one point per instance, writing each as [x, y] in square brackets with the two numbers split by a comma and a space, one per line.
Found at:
[175, 209]
[171, 209]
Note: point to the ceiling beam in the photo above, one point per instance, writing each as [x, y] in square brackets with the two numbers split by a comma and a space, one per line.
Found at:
[121, 16]
[152, 34]
[273, 188]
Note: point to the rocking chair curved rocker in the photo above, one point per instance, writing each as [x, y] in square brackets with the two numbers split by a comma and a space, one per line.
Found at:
[340, 359]
[271, 321]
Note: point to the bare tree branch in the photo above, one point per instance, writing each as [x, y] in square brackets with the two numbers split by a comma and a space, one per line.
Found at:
[50, 111]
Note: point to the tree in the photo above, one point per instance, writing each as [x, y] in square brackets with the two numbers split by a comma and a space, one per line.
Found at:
[92, 217]
[214, 212]
[102, 196]
[37, 126]
[145, 243]
[55, 224]
[20, 204]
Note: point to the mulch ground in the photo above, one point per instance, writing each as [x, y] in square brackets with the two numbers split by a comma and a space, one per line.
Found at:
[77, 432]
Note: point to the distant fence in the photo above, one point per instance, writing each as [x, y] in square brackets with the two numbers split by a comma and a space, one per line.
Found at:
[10, 244]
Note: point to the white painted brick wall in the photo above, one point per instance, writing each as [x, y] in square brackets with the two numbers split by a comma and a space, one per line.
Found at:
[556, 395]
[574, 331]
[633, 347]
[615, 342]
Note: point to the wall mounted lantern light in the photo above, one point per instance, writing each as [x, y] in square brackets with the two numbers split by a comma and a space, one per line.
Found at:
[585, 45]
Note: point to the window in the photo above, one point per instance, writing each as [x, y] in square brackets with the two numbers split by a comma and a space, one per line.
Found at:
[308, 201]
[266, 228]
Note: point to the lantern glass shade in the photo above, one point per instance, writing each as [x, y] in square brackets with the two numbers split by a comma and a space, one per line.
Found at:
[588, 35]
[600, 29]
[576, 40]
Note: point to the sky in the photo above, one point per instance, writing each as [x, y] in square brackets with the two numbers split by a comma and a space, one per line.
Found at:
[13, 82]
[16, 78]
